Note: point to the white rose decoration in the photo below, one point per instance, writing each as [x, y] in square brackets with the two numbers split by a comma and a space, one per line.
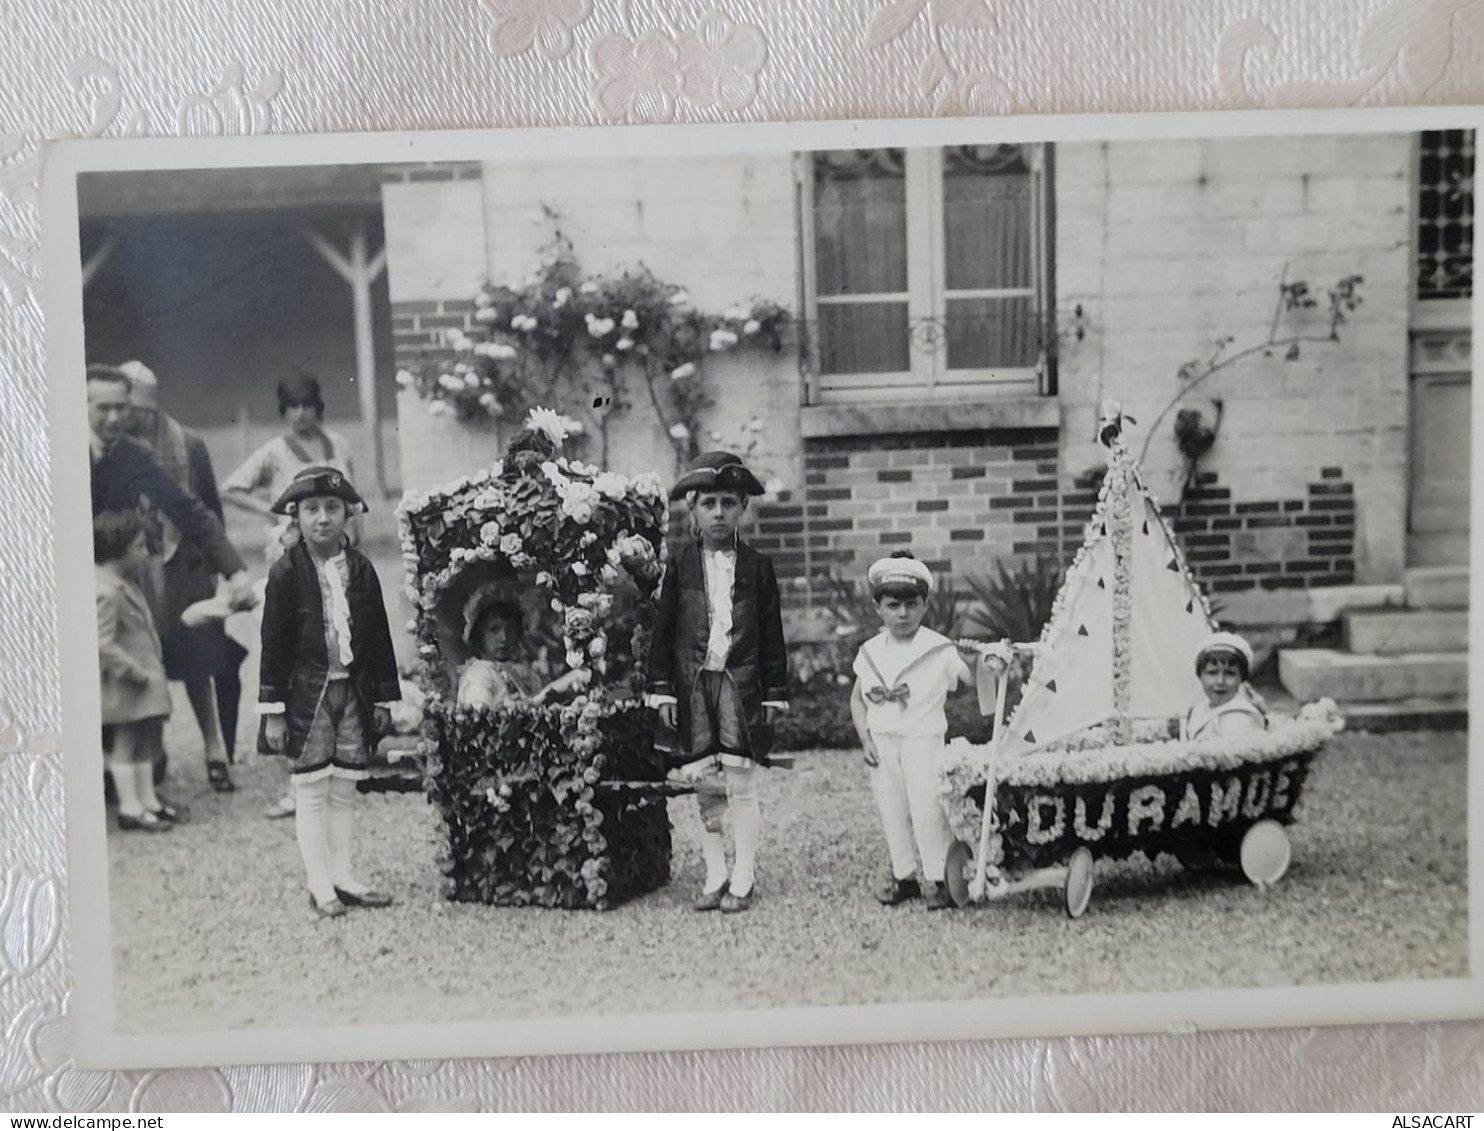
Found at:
[679, 432]
[630, 320]
[579, 568]
[751, 326]
[589, 288]
[450, 382]
[405, 379]
[624, 344]
[486, 314]
[510, 544]
[610, 484]
[681, 372]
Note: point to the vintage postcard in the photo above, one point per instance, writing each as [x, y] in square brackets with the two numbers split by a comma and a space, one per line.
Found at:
[572, 591]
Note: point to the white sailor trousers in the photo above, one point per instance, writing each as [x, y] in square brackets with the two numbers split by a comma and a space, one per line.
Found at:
[905, 782]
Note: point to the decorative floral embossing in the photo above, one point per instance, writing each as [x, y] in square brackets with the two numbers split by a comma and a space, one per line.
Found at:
[950, 89]
[30, 921]
[636, 79]
[548, 24]
[182, 1089]
[230, 109]
[720, 61]
[1409, 43]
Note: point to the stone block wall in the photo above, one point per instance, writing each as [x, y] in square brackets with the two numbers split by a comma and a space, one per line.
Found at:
[1167, 246]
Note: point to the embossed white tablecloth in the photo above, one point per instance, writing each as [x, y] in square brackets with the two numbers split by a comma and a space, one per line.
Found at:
[119, 67]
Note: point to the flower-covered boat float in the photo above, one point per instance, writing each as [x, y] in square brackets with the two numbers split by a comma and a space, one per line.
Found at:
[546, 801]
[1090, 764]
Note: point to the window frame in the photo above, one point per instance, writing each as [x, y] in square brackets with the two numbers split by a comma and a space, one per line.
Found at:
[929, 376]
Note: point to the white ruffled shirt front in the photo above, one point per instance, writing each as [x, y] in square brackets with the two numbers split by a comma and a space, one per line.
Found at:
[720, 567]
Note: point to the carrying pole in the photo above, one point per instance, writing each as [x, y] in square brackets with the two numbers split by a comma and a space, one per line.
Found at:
[986, 826]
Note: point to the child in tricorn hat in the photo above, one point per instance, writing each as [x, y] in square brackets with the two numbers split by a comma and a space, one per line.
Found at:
[328, 678]
[718, 669]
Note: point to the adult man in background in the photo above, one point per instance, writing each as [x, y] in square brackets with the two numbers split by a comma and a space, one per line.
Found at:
[126, 476]
[204, 658]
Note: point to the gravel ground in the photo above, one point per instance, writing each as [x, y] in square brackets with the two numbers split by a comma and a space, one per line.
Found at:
[212, 927]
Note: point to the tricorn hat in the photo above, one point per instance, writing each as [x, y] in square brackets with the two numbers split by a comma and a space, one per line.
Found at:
[717, 471]
[317, 481]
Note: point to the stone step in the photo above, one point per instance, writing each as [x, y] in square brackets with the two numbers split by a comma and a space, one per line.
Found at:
[1318, 673]
[1392, 632]
[1438, 587]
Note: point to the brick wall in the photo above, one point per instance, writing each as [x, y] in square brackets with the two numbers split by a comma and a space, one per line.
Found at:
[960, 501]
[1236, 545]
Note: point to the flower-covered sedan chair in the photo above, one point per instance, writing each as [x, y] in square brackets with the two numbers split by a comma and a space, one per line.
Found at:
[556, 801]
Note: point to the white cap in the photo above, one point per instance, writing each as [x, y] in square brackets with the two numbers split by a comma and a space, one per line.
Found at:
[888, 571]
[1228, 642]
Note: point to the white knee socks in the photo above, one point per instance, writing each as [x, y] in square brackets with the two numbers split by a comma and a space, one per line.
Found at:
[747, 822]
[311, 827]
[126, 785]
[341, 820]
[144, 779]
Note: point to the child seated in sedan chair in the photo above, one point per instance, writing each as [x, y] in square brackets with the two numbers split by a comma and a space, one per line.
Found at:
[494, 628]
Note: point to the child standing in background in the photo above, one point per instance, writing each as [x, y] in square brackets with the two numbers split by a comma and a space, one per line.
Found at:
[135, 692]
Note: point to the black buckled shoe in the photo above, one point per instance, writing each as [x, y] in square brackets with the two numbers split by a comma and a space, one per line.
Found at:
[899, 891]
[363, 898]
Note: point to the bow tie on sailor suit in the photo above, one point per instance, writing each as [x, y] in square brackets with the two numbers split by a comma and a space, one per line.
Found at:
[897, 694]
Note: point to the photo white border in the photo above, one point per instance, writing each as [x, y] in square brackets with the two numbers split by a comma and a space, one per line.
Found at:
[98, 1045]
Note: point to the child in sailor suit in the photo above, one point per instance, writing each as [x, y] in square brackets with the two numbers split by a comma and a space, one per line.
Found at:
[1230, 706]
[904, 675]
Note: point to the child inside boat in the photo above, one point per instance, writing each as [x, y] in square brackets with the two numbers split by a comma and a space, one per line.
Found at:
[1230, 706]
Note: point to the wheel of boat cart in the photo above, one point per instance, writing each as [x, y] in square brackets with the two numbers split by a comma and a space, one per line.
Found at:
[1079, 883]
[1265, 853]
[956, 875]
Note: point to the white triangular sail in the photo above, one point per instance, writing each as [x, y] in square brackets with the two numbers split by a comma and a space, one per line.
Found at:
[1168, 620]
[1072, 682]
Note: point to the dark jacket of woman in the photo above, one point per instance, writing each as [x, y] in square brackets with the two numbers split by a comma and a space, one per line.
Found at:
[758, 660]
[296, 662]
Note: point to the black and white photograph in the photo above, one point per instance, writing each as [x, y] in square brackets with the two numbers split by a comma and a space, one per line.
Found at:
[794, 584]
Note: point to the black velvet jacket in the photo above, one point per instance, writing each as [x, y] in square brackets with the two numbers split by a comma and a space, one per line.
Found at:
[296, 664]
[758, 660]
[126, 472]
